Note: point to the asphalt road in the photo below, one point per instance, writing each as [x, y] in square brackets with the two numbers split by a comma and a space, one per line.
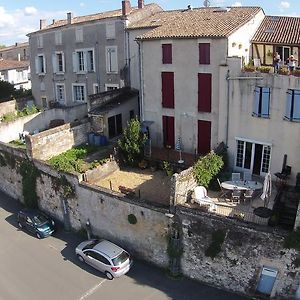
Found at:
[48, 269]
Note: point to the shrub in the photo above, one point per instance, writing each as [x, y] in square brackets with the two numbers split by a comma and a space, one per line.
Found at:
[249, 68]
[168, 168]
[132, 142]
[206, 168]
[264, 69]
[283, 71]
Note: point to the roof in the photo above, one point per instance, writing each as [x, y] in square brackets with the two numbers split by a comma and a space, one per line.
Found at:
[152, 7]
[108, 248]
[193, 23]
[13, 64]
[17, 45]
[278, 30]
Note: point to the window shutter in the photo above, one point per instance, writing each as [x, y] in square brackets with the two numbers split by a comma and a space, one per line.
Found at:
[37, 66]
[75, 62]
[204, 92]
[85, 61]
[114, 60]
[256, 101]
[204, 53]
[204, 137]
[288, 110]
[63, 62]
[265, 102]
[168, 131]
[44, 63]
[167, 81]
[110, 30]
[296, 108]
[167, 53]
[54, 63]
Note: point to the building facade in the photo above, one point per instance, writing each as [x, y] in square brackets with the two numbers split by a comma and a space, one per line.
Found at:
[79, 56]
[19, 51]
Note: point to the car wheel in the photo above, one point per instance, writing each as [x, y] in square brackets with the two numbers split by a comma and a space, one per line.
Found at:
[38, 235]
[109, 275]
[20, 225]
[80, 257]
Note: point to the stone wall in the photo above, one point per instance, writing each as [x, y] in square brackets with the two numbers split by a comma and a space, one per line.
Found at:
[244, 253]
[7, 107]
[54, 141]
[101, 172]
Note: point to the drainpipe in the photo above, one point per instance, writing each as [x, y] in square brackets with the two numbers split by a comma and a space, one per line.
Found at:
[228, 78]
[97, 65]
[141, 80]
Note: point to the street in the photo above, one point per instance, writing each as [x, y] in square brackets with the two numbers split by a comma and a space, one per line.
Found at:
[48, 269]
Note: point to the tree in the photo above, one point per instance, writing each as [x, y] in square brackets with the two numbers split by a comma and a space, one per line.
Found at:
[6, 90]
[132, 142]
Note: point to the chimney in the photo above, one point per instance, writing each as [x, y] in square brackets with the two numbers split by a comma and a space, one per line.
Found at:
[141, 4]
[53, 21]
[42, 24]
[69, 17]
[126, 7]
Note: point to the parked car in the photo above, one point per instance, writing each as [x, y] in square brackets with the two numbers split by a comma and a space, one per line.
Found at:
[104, 256]
[36, 222]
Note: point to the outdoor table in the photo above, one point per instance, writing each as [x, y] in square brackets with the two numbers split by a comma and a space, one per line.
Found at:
[241, 185]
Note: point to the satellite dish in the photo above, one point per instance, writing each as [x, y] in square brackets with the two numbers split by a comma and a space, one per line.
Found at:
[206, 3]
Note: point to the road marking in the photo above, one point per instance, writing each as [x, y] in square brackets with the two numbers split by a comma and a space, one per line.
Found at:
[92, 290]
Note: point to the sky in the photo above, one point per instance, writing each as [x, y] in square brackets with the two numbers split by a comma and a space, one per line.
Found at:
[19, 17]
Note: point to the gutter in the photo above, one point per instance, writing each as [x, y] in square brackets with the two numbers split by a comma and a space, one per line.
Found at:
[228, 78]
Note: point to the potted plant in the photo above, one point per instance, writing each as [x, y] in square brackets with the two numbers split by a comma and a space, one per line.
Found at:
[264, 69]
[249, 68]
[283, 71]
[296, 73]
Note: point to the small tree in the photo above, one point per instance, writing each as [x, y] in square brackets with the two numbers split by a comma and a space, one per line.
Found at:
[207, 167]
[132, 142]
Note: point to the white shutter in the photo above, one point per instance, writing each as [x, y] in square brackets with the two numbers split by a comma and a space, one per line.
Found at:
[75, 62]
[114, 60]
[85, 62]
[110, 31]
[37, 67]
[44, 62]
[54, 63]
[63, 62]
[107, 60]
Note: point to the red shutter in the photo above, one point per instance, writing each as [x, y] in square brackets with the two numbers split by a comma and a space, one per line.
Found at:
[167, 53]
[204, 53]
[204, 92]
[168, 131]
[167, 81]
[204, 137]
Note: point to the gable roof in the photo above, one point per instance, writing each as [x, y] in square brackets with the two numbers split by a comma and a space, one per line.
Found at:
[17, 45]
[193, 23]
[278, 30]
[150, 8]
[13, 64]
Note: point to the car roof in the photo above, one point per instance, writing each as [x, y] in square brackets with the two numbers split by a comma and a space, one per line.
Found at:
[108, 248]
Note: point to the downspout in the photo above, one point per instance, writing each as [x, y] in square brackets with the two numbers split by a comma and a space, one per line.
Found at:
[97, 63]
[128, 61]
[141, 80]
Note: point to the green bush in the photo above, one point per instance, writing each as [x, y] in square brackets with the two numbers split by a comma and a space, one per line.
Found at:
[11, 116]
[132, 142]
[132, 219]
[168, 168]
[206, 168]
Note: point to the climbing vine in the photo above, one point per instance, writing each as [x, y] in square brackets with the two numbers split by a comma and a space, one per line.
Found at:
[68, 190]
[29, 175]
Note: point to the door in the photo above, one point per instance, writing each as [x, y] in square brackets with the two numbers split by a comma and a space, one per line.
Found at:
[204, 137]
[90, 258]
[119, 124]
[168, 132]
[111, 127]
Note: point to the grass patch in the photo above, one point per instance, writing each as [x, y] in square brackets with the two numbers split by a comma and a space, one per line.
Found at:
[11, 116]
[73, 160]
[18, 144]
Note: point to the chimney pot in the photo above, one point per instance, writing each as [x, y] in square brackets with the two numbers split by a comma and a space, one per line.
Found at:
[42, 24]
[69, 17]
[126, 7]
[141, 4]
[53, 21]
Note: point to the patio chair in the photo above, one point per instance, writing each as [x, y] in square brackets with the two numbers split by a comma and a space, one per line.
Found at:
[247, 176]
[248, 195]
[223, 192]
[236, 196]
[235, 177]
[202, 198]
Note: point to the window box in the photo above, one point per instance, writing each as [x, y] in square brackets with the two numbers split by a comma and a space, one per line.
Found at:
[283, 71]
[249, 68]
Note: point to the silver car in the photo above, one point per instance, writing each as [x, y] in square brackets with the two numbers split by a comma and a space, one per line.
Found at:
[104, 256]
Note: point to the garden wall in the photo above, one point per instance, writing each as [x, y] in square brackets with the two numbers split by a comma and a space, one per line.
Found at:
[7, 107]
[101, 172]
[244, 253]
[54, 141]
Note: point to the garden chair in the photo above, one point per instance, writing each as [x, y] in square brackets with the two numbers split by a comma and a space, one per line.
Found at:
[223, 192]
[248, 195]
[247, 176]
[235, 177]
[236, 196]
[202, 199]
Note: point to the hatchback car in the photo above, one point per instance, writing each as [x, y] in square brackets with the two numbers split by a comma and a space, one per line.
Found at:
[36, 222]
[104, 256]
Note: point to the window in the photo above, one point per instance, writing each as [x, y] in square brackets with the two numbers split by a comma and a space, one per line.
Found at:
[167, 82]
[111, 86]
[284, 53]
[261, 102]
[96, 88]
[79, 34]
[60, 93]
[292, 112]
[83, 61]
[204, 53]
[131, 114]
[204, 136]
[166, 53]
[42, 87]
[204, 92]
[111, 59]
[40, 64]
[110, 31]
[40, 41]
[44, 102]
[58, 37]
[79, 92]
[58, 62]
[115, 126]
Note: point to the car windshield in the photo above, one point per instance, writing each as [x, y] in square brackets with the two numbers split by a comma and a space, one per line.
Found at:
[120, 259]
[39, 219]
[91, 245]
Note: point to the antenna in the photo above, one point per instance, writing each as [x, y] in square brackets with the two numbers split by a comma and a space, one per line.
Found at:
[206, 3]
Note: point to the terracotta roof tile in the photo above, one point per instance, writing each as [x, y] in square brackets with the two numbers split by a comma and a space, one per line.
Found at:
[278, 30]
[200, 22]
[13, 64]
